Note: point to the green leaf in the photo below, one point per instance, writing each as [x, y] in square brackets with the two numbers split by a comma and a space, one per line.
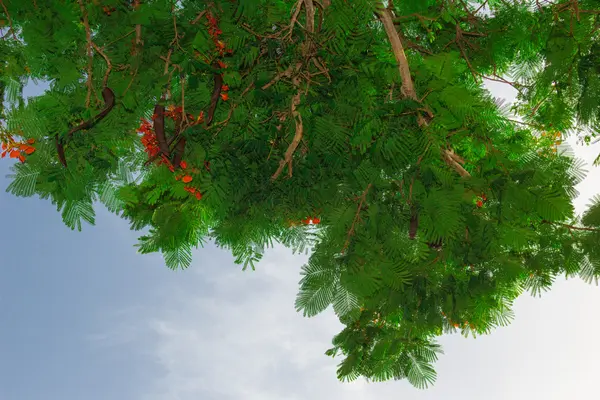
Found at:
[74, 212]
[419, 372]
[24, 180]
[591, 217]
[108, 196]
[178, 258]
[344, 302]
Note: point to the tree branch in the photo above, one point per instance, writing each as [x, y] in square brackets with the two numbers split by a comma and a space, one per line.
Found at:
[289, 154]
[90, 54]
[363, 197]
[138, 29]
[299, 132]
[408, 88]
[108, 64]
[10, 24]
[571, 227]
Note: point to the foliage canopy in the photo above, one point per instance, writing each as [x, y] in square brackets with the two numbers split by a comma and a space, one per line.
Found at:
[434, 207]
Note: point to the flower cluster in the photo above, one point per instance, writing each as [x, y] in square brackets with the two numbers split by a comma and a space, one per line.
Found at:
[214, 31]
[306, 221]
[149, 138]
[150, 143]
[16, 149]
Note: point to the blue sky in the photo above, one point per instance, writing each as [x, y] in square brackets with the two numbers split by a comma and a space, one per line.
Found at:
[85, 317]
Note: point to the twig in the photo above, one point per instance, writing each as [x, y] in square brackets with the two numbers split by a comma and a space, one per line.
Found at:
[258, 35]
[285, 74]
[167, 60]
[183, 113]
[538, 127]
[10, 24]
[200, 15]
[363, 197]
[571, 227]
[289, 154]
[294, 18]
[88, 35]
[108, 64]
[130, 82]
[176, 40]
[119, 38]
[231, 109]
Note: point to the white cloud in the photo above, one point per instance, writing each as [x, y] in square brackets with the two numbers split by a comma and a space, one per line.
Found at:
[226, 334]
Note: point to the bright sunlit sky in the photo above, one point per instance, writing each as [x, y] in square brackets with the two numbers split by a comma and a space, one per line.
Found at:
[83, 317]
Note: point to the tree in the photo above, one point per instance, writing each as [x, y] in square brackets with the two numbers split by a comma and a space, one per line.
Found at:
[434, 206]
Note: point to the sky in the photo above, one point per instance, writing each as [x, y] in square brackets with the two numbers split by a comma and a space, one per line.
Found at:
[83, 316]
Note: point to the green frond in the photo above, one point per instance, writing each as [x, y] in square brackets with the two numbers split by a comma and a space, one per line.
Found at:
[76, 211]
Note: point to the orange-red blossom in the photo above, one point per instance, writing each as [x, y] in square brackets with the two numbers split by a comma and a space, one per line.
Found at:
[17, 149]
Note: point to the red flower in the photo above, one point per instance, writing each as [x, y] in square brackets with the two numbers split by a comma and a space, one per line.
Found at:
[224, 96]
[198, 195]
[183, 164]
[187, 179]
[316, 221]
[479, 203]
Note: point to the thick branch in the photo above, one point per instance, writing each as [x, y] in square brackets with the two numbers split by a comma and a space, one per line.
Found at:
[310, 15]
[138, 29]
[285, 74]
[198, 17]
[408, 88]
